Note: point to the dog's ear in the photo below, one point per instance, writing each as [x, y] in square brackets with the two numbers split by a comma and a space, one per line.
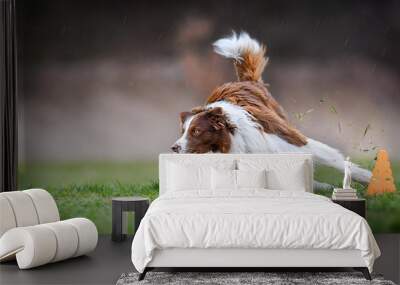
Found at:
[217, 111]
[184, 115]
[217, 118]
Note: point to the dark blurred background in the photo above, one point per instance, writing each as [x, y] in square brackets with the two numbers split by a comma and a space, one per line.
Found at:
[106, 80]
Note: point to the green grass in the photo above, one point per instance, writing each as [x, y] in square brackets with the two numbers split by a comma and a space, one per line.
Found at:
[53, 174]
[93, 201]
[84, 189]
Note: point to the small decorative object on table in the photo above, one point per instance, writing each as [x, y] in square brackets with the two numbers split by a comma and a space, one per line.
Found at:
[139, 205]
[347, 174]
[344, 194]
[347, 196]
[347, 193]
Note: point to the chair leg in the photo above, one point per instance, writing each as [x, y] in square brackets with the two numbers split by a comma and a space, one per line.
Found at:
[143, 274]
[364, 271]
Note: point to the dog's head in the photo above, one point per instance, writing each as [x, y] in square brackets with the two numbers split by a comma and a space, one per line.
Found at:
[204, 130]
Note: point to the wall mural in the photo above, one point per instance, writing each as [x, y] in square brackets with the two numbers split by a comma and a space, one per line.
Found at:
[243, 117]
[101, 89]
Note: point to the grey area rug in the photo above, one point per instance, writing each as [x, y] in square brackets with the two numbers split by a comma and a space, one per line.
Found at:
[232, 278]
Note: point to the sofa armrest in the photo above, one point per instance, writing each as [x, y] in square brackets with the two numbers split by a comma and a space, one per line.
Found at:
[32, 246]
[40, 244]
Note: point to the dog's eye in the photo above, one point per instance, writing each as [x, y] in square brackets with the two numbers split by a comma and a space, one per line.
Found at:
[196, 132]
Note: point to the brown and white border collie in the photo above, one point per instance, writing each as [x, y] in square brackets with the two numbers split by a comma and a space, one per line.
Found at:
[243, 117]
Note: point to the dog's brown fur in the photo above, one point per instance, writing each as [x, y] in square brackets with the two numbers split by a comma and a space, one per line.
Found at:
[252, 65]
[255, 99]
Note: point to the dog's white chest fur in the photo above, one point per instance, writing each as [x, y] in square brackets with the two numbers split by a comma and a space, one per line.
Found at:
[249, 137]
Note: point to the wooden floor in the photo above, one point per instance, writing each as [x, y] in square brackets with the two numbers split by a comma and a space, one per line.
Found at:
[110, 260]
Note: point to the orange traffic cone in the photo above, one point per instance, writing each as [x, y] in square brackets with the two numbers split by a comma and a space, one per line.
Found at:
[382, 178]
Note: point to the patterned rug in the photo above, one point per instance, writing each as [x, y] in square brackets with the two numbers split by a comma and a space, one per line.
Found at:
[243, 278]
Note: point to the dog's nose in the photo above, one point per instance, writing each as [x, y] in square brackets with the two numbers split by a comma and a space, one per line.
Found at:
[176, 148]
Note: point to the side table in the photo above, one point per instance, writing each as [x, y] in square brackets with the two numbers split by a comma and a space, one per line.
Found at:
[358, 206]
[139, 205]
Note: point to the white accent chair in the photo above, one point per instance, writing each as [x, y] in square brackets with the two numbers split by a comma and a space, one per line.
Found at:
[32, 233]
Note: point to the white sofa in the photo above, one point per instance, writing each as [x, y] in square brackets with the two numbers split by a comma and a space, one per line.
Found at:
[31, 231]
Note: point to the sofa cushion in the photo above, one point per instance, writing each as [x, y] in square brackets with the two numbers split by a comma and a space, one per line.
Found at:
[46, 207]
[26, 208]
[7, 220]
[23, 208]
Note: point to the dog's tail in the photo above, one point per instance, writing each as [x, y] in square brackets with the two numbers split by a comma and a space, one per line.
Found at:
[248, 55]
[326, 155]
